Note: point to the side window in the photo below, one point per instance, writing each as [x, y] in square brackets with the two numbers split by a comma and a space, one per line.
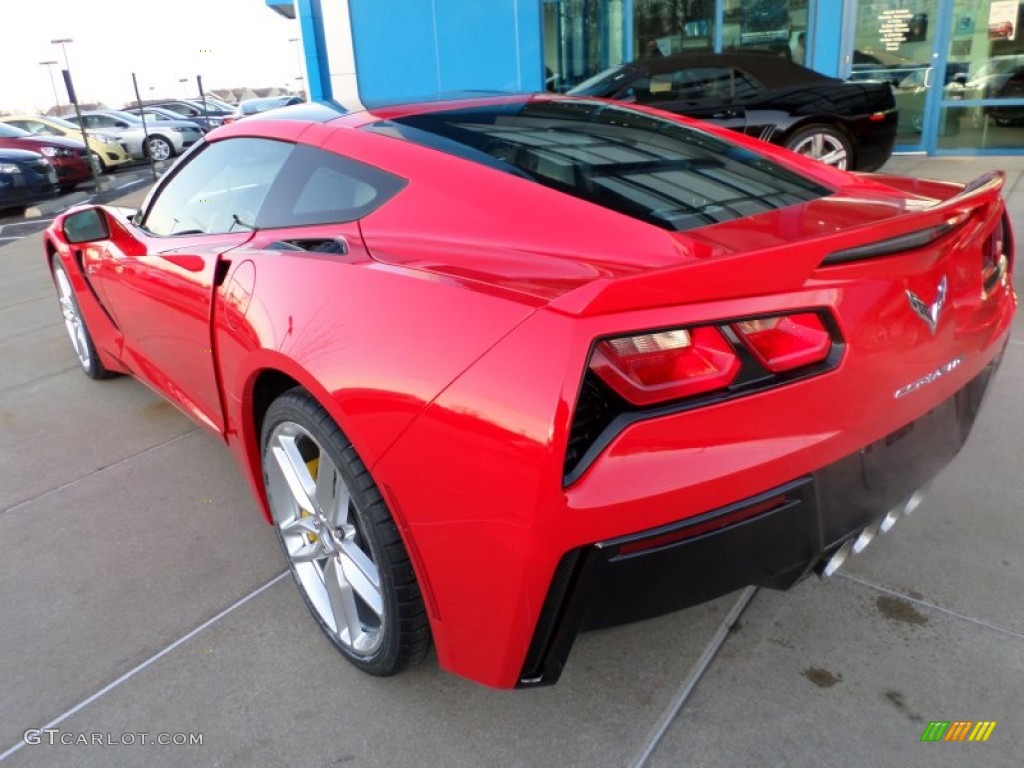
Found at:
[220, 188]
[711, 82]
[320, 187]
[684, 85]
[744, 85]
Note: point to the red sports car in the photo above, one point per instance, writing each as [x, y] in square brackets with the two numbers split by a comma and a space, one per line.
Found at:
[505, 369]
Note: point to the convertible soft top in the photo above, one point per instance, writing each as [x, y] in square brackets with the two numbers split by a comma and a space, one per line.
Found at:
[772, 70]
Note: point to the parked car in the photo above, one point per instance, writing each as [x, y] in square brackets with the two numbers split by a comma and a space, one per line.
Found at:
[161, 115]
[502, 369]
[165, 141]
[105, 147]
[25, 177]
[848, 125]
[209, 118]
[255, 106]
[69, 158]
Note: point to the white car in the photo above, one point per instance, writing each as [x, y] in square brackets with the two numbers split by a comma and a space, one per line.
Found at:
[166, 139]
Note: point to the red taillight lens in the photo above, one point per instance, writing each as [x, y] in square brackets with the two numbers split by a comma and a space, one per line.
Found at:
[994, 258]
[785, 342]
[655, 367]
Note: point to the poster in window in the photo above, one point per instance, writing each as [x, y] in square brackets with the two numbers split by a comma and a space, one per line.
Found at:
[764, 21]
[1002, 20]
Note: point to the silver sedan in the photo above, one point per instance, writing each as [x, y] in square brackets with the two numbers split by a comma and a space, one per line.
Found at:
[166, 138]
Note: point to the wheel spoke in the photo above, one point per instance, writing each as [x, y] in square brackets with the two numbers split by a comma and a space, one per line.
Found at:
[305, 524]
[332, 492]
[295, 473]
[343, 603]
[362, 575]
[817, 145]
[309, 551]
[835, 157]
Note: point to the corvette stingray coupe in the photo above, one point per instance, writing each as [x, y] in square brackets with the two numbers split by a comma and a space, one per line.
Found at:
[501, 370]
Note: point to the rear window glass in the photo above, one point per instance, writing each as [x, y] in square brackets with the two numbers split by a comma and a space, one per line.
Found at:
[646, 167]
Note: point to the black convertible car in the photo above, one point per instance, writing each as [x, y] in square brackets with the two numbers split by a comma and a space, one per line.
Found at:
[851, 125]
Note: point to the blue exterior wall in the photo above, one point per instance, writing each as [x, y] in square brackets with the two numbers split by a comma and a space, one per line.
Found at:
[406, 50]
[314, 48]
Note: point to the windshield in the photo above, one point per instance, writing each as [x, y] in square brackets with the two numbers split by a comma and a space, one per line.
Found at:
[65, 124]
[11, 132]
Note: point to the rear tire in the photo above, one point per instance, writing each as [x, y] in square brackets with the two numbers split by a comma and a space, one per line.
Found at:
[825, 143]
[342, 544]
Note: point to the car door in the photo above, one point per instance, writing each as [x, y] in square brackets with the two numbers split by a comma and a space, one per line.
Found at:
[158, 277]
[702, 92]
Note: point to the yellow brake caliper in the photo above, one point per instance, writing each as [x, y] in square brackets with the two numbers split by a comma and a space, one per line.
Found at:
[313, 465]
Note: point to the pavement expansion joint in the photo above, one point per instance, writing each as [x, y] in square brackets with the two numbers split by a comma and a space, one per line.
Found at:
[119, 462]
[930, 606]
[694, 676]
[148, 662]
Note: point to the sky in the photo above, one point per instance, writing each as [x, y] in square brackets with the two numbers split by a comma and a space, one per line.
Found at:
[231, 43]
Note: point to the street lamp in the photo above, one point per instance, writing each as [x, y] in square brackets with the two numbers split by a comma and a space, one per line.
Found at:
[62, 42]
[53, 83]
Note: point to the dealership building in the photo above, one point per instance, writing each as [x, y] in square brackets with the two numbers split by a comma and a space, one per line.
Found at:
[956, 66]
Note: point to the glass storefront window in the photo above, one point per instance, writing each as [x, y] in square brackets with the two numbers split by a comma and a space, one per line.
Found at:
[778, 26]
[985, 63]
[664, 27]
[581, 38]
[994, 127]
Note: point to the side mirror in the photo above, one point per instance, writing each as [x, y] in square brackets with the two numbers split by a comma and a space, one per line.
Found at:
[86, 226]
[121, 124]
[960, 78]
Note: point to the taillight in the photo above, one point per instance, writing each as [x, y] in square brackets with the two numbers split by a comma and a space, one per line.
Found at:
[994, 259]
[667, 365]
[785, 342]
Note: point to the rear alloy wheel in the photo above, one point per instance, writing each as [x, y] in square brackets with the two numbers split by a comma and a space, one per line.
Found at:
[342, 545]
[823, 143]
[81, 341]
[160, 148]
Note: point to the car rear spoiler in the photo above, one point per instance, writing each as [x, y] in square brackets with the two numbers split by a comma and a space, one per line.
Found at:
[778, 269]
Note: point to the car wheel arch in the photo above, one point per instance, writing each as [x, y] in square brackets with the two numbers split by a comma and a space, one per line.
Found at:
[266, 385]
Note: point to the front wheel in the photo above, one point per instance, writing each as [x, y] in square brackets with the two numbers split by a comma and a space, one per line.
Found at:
[342, 545]
[81, 341]
[160, 148]
[824, 143]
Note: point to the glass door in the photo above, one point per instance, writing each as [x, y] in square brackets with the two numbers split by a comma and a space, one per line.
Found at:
[898, 41]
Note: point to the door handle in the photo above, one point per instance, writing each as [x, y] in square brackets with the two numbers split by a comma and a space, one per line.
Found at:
[725, 115]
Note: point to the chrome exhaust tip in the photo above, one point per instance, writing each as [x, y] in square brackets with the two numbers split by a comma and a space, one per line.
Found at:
[836, 561]
[859, 543]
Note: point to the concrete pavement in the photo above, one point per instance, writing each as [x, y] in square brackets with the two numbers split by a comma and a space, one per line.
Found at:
[142, 594]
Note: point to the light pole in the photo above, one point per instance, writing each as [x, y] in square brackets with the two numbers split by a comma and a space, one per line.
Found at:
[53, 83]
[62, 42]
[298, 51]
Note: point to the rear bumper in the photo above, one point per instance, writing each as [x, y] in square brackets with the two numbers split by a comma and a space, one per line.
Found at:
[875, 141]
[773, 540]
